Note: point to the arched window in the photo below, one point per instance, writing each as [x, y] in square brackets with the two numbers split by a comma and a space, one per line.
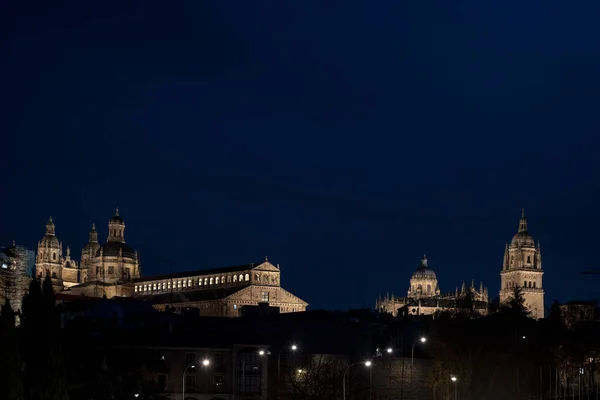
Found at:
[419, 288]
[512, 259]
[428, 288]
[524, 283]
[241, 277]
[228, 278]
[222, 279]
[205, 281]
[211, 281]
[189, 283]
[164, 285]
[54, 256]
[257, 277]
[235, 278]
[247, 277]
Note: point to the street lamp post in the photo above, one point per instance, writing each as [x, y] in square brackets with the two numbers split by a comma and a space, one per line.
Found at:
[293, 348]
[366, 364]
[412, 352]
[455, 380]
[205, 363]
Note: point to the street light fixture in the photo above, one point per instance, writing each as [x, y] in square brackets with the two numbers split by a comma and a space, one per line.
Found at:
[390, 350]
[365, 363]
[205, 362]
[422, 339]
[293, 348]
[261, 352]
[454, 380]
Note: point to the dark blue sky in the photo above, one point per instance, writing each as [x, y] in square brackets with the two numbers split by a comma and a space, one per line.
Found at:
[341, 139]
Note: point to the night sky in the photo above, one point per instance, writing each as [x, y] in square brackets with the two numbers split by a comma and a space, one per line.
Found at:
[342, 139]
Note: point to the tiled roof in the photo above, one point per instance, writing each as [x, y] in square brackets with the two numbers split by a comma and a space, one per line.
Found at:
[199, 272]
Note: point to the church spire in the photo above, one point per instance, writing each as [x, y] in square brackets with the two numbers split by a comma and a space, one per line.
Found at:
[523, 222]
[50, 228]
[93, 234]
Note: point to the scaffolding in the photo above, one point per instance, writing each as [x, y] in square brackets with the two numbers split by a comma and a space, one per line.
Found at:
[14, 276]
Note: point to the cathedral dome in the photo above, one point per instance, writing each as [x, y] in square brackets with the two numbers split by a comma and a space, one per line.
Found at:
[522, 239]
[114, 249]
[50, 239]
[424, 272]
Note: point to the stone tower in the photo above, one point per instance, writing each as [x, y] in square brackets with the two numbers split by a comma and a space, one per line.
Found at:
[116, 229]
[49, 260]
[522, 267]
[424, 282]
[90, 249]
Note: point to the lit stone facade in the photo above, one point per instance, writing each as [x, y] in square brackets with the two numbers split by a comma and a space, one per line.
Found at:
[424, 296]
[522, 267]
[221, 291]
[104, 270]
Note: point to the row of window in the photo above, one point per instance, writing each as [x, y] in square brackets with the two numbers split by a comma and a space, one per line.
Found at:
[188, 283]
[526, 284]
[116, 232]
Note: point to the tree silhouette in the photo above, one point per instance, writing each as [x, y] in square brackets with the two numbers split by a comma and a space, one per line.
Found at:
[515, 305]
[44, 377]
[11, 382]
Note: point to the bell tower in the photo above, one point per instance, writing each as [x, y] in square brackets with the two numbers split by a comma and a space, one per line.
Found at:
[49, 259]
[116, 229]
[522, 267]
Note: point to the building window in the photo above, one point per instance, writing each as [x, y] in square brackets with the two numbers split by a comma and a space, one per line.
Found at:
[249, 374]
[534, 285]
[428, 288]
[211, 281]
[235, 278]
[184, 283]
[189, 283]
[235, 306]
[222, 279]
[111, 269]
[190, 383]
[169, 285]
[54, 256]
[512, 259]
[257, 278]
[247, 277]
[205, 281]
[161, 382]
[228, 278]
[524, 283]
[528, 259]
[54, 274]
[136, 289]
[179, 284]
[264, 296]
[200, 282]
[218, 384]
[164, 285]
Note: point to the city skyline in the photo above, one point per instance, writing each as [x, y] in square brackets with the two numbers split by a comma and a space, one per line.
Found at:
[341, 142]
